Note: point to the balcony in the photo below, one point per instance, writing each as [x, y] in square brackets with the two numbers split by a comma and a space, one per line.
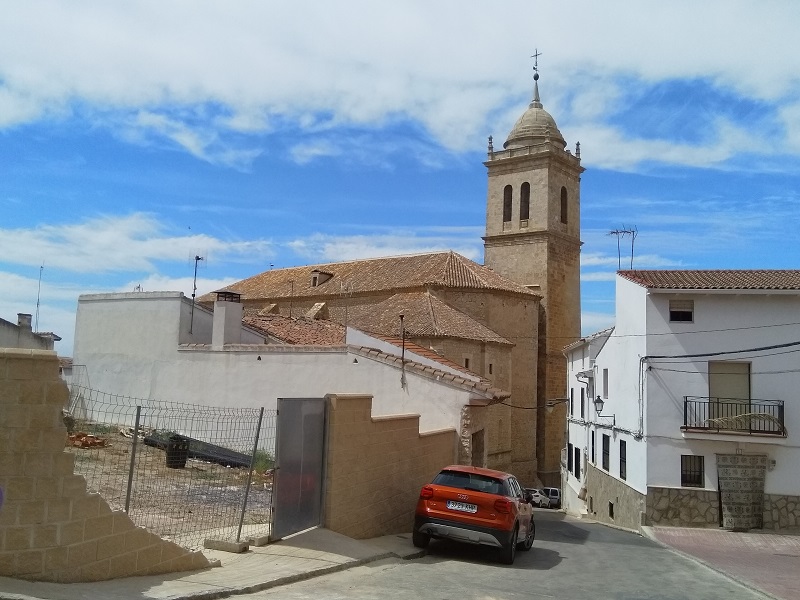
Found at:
[733, 415]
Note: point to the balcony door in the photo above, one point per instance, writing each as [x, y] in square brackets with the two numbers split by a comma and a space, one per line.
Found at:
[728, 390]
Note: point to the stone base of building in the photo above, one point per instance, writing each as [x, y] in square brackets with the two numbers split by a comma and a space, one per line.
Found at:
[612, 501]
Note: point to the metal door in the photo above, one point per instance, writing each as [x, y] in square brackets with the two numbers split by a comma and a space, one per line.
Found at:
[299, 455]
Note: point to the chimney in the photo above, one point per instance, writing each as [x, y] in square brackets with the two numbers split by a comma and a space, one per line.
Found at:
[227, 328]
[24, 321]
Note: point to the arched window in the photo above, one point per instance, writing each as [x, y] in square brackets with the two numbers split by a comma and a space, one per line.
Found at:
[507, 204]
[524, 201]
[564, 218]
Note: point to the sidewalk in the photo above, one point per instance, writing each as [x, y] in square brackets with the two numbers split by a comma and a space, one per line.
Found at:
[305, 555]
[763, 560]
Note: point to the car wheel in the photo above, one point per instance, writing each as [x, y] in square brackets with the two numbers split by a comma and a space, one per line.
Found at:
[420, 540]
[509, 552]
[527, 543]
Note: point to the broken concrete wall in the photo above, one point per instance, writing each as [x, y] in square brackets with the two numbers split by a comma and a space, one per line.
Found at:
[51, 528]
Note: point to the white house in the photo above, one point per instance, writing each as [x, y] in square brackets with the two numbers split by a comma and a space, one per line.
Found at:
[22, 335]
[696, 386]
[157, 345]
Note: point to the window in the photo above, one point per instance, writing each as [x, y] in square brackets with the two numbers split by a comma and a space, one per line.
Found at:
[466, 363]
[605, 384]
[571, 402]
[606, 451]
[583, 403]
[623, 459]
[569, 457]
[577, 462]
[681, 311]
[525, 201]
[692, 471]
[490, 368]
[594, 458]
[610, 510]
[507, 204]
[564, 205]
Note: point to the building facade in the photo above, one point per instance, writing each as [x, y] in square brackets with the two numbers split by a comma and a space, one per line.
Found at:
[695, 385]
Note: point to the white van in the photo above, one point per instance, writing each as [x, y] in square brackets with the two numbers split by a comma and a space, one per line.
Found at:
[555, 496]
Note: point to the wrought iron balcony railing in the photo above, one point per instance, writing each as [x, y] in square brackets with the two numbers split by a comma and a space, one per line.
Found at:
[721, 415]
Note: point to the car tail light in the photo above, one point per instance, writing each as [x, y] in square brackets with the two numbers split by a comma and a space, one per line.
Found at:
[502, 505]
[427, 492]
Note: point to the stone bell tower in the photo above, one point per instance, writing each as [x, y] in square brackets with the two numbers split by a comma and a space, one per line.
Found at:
[533, 238]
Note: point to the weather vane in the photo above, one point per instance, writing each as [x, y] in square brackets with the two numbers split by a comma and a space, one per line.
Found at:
[535, 56]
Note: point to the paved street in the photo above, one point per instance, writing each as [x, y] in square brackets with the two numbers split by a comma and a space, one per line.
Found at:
[570, 560]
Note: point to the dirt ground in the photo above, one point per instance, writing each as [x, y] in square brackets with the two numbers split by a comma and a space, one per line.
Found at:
[182, 504]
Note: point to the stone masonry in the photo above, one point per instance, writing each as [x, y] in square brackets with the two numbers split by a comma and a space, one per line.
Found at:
[51, 528]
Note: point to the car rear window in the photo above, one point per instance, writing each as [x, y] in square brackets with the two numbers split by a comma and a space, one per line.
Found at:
[470, 481]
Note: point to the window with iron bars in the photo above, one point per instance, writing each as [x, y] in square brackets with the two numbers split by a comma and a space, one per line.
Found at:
[692, 471]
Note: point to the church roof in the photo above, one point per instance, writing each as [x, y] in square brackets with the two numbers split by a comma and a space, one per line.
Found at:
[534, 126]
[294, 330]
[444, 269]
[424, 316]
[723, 279]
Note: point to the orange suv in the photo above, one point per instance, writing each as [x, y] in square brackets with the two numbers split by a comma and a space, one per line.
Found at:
[475, 506]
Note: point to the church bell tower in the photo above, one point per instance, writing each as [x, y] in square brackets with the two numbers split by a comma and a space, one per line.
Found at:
[533, 238]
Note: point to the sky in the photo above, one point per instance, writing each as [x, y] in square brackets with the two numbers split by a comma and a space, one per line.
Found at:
[137, 135]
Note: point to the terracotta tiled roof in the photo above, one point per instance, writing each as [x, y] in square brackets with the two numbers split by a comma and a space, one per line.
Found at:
[445, 269]
[292, 330]
[425, 352]
[425, 315]
[716, 279]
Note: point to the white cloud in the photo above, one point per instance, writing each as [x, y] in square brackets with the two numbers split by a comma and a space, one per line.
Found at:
[250, 67]
[332, 248]
[114, 243]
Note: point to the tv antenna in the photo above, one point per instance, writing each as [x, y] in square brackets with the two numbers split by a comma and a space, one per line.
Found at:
[197, 259]
[38, 297]
[621, 233]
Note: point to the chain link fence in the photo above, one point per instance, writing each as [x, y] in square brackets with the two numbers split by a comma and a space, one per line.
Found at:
[185, 472]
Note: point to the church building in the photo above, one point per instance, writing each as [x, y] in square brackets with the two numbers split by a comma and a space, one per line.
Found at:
[507, 320]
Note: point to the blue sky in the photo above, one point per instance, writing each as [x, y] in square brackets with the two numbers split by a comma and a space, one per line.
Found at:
[136, 135]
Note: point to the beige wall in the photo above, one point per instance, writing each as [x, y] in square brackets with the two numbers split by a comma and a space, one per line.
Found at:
[51, 529]
[376, 467]
[602, 489]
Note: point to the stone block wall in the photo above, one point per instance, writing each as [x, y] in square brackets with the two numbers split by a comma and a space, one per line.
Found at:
[682, 507]
[51, 528]
[781, 512]
[376, 467]
[604, 490]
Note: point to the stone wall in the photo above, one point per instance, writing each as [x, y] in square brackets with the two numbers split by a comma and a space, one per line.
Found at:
[682, 507]
[376, 467]
[603, 490]
[51, 529]
[781, 512]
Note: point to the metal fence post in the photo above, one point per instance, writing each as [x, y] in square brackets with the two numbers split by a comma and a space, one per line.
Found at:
[250, 475]
[133, 458]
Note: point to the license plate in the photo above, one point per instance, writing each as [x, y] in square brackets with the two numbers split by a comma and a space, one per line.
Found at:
[462, 506]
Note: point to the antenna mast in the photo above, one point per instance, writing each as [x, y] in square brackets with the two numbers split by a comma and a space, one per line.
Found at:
[38, 296]
[633, 232]
[197, 259]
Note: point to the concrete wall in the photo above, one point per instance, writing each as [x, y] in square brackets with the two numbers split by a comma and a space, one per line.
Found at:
[605, 490]
[51, 529]
[22, 336]
[376, 467]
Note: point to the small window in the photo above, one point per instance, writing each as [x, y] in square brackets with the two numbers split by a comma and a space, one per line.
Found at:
[577, 463]
[606, 451]
[569, 457]
[564, 203]
[466, 363]
[623, 459]
[692, 471]
[572, 402]
[583, 403]
[681, 311]
[594, 457]
[490, 368]
[507, 204]
[605, 384]
[610, 510]
[525, 201]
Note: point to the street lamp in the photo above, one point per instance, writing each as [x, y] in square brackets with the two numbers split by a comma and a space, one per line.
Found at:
[598, 407]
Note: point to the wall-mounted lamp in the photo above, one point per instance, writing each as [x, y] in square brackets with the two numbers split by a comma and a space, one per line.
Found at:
[598, 407]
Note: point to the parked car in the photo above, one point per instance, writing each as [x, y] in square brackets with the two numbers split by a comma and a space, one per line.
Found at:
[475, 506]
[555, 496]
[538, 497]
